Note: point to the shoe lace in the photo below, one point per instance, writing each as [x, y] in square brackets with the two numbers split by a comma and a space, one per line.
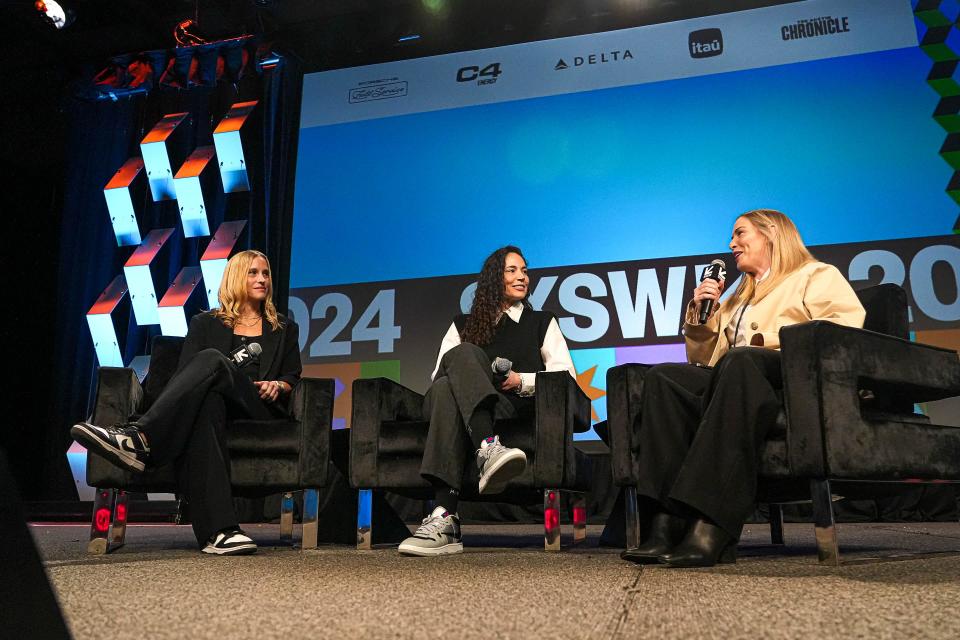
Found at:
[485, 453]
[431, 525]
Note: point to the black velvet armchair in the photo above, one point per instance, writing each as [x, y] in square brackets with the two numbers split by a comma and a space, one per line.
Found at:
[266, 456]
[848, 426]
[387, 439]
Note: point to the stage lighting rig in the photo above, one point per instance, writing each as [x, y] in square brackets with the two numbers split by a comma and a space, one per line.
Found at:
[185, 33]
[55, 14]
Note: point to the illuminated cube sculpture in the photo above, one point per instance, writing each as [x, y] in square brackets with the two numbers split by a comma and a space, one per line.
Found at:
[124, 194]
[178, 301]
[140, 278]
[162, 150]
[214, 259]
[196, 184]
[228, 138]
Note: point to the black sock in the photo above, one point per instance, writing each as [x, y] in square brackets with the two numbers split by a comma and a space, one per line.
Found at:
[481, 426]
[446, 497]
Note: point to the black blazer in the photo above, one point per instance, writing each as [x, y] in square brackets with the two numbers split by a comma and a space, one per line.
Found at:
[280, 359]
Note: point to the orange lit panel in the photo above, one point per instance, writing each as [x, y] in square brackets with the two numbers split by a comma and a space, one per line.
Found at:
[123, 195]
[172, 312]
[194, 183]
[223, 240]
[150, 247]
[235, 117]
[164, 129]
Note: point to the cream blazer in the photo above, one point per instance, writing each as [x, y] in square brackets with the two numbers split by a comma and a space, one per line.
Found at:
[815, 291]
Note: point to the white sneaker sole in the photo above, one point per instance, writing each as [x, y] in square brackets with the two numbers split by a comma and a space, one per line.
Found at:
[239, 550]
[507, 467]
[82, 433]
[445, 550]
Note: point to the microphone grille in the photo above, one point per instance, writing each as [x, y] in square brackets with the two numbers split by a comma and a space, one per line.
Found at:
[254, 348]
[720, 262]
[501, 366]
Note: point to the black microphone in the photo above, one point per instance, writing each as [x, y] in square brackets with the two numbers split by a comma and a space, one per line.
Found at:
[245, 354]
[716, 270]
[501, 368]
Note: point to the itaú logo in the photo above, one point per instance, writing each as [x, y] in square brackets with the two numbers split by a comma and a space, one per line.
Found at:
[705, 43]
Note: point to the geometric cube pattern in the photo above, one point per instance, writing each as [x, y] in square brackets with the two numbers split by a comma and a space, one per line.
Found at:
[227, 139]
[214, 260]
[939, 38]
[191, 181]
[124, 194]
[140, 276]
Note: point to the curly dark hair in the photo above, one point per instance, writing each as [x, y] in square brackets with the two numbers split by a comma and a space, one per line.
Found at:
[488, 299]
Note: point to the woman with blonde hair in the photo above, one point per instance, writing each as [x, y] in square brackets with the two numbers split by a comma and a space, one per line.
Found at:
[240, 360]
[702, 425]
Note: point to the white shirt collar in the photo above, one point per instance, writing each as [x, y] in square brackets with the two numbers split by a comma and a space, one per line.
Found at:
[514, 311]
[764, 276]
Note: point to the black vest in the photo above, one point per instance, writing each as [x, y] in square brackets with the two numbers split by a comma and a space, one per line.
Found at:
[518, 342]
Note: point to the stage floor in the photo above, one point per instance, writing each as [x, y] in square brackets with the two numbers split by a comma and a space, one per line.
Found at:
[898, 581]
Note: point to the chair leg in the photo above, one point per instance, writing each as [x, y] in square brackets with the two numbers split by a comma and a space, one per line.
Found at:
[631, 517]
[578, 507]
[365, 519]
[776, 524]
[109, 525]
[551, 519]
[311, 509]
[824, 527]
[286, 517]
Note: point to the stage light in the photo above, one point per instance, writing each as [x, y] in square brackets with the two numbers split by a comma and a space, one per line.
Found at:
[55, 14]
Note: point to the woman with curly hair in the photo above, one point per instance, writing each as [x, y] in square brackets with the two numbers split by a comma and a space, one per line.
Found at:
[467, 396]
[185, 424]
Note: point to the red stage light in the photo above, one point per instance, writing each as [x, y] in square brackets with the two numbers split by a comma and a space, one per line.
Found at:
[551, 518]
[121, 513]
[102, 519]
[579, 515]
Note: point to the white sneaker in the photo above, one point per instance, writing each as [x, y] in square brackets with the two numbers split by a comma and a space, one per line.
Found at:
[438, 535]
[230, 543]
[498, 465]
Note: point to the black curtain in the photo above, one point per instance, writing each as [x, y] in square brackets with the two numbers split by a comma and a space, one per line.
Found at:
[102, 135]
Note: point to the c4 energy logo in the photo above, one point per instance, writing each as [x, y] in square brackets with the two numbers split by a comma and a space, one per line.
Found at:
[705, 43]
[484, 75]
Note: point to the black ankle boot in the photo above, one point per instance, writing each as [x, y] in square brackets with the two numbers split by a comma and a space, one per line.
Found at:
[665, 530]
[705, 545]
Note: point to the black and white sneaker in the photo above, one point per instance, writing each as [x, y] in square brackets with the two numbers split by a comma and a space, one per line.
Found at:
[122, 444]
[230, 543]
[498, 465]
[438, 535]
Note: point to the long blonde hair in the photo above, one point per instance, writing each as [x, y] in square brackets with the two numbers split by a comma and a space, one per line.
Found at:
[787, 254]
[233, 290]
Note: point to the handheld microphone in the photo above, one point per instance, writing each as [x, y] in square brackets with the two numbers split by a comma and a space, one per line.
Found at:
[716, 270]
[245, 354]
[500, 367]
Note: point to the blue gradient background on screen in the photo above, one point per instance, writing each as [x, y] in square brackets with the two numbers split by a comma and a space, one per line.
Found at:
[847, 147]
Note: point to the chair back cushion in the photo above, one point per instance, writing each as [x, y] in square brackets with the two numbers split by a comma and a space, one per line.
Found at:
[886, 307]
[164, 358]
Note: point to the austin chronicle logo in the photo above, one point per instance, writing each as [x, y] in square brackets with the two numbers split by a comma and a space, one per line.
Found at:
[705, 43]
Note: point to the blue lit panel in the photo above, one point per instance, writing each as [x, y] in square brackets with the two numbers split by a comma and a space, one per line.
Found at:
[143, 295]
[173, 318]
[101, 324]
[156, 150]
[123, 193]
[214, 258]
[77, 459]
[189, 187]
[229, 143]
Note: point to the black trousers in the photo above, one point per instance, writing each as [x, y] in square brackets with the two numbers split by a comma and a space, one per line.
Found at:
[462, 404]
[701, 433]
[186, 426]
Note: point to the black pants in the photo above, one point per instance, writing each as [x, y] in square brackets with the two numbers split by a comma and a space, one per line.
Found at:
[701, 433]
[186, 426]
[462, 404]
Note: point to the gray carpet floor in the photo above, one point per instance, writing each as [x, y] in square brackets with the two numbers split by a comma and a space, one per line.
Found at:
[898, 581]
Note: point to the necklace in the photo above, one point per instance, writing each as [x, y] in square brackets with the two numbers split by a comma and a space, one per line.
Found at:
[249, 324]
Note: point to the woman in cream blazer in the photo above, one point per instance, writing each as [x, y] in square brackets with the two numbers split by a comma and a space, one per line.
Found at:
[703, 424]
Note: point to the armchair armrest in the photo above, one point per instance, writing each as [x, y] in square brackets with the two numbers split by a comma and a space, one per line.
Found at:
[562, 410]
[311, 404]
[624, 403]
[118, 395]
[376, 400]
[824, 367]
